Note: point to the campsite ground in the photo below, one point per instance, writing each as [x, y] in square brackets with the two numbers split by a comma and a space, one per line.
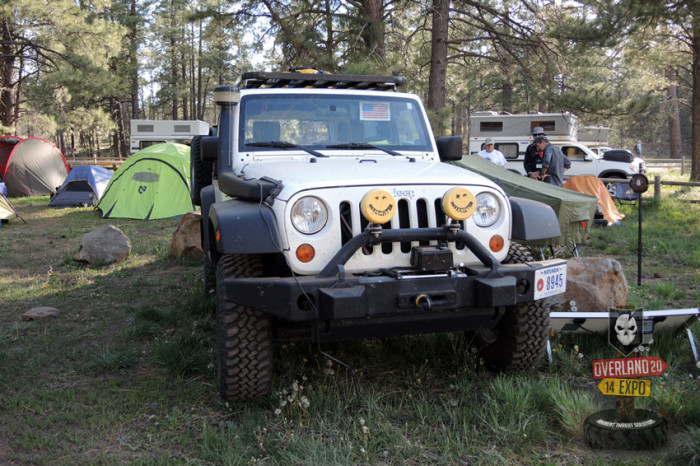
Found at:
[124, 373]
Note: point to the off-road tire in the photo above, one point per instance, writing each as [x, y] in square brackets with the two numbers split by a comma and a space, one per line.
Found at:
[243, 336]
[209, 275]
[651, 431]
[200, 171]
[521, 335]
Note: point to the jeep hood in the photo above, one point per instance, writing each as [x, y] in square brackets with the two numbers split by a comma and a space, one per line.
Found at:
[300, 175]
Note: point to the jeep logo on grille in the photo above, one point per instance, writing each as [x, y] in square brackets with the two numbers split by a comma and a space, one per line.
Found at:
[409, 193]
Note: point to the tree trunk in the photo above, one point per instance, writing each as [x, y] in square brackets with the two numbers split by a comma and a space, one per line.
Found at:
[695, 169]
[674, 116]
[134, 62]
[372, 11]
[7, 65]
[438, 61]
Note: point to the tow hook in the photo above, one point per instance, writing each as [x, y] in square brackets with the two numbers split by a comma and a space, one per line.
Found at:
[424, 301]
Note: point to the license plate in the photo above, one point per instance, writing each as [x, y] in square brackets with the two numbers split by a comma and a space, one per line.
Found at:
[550, 281]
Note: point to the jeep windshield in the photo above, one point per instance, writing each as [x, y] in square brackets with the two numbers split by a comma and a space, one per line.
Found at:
[332, 122]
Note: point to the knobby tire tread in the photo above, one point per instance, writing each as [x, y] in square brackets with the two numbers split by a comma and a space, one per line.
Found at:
[522, 332]
[243, 336]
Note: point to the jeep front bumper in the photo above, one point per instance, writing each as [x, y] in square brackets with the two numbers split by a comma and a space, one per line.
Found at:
[402, 295]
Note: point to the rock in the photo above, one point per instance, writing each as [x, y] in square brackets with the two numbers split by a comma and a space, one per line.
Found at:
[187, 237]
[104, 246]
[40, 313]
[595, 284]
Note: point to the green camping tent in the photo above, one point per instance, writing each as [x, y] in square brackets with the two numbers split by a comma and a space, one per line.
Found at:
[153, 183]
[574, 210]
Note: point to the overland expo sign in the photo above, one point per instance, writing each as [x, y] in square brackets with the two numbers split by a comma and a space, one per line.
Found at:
[625, 387]
[649, 366]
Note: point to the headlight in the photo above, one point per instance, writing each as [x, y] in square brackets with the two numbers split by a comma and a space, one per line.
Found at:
[309, 214]
[488, 209]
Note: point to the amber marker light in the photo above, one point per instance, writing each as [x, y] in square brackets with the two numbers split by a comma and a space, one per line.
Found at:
[305, 253]
[496, 243]
[218, 236]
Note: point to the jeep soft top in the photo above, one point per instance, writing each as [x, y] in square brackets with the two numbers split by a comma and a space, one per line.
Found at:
[327, 209]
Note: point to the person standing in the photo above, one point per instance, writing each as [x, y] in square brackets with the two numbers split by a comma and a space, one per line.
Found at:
[638, 149]
[533, 159]
[553, 161]
[490, 153]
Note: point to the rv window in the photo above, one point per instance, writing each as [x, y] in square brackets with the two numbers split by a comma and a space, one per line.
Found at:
[548, 126]
[509, 150]
[144, 128]
[491, 126]
[182, 128]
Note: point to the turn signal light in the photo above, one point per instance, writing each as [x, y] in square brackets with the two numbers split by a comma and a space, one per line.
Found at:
[218, 236]
[305, 253]
[496, 243]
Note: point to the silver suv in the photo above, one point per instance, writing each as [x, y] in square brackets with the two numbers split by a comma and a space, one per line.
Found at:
[327, 209]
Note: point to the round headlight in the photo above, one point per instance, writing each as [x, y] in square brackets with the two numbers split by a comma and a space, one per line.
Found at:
[488, 209]
[309, 214]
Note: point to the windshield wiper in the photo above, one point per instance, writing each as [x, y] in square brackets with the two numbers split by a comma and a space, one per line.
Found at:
[362, 145]
[285, 145]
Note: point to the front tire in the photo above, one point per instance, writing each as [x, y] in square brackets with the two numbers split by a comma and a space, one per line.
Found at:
[519, 340]
[243, 336]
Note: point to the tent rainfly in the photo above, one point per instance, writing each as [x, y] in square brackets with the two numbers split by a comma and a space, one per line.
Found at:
[151, 184]
[83, 186]
[31, 167]
[574, 210]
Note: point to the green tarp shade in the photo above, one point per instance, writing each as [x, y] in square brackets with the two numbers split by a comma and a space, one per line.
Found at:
[151, 184]
[574, 210]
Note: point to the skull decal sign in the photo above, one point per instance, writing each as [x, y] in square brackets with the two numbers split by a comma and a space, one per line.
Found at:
[625, 330]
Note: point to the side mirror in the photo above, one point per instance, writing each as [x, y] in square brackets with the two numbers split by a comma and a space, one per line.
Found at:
[587, 158]
[450, 148]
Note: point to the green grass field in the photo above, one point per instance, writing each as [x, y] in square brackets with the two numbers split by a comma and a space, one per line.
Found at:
[125, 373]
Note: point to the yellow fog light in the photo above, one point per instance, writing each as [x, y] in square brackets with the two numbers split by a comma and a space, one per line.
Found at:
[378, 206]
[459, 203]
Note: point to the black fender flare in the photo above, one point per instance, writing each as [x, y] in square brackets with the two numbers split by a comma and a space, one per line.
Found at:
[533, 220]
[245, 227]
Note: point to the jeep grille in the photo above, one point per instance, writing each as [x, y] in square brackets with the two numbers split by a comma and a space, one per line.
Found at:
[423, 214]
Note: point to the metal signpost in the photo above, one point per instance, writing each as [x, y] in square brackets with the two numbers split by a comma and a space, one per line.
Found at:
[626, 427]
[639, 184]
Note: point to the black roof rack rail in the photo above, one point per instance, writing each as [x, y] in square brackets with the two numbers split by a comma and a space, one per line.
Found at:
[265, 79]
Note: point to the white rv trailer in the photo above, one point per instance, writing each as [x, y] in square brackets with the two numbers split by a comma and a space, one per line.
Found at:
[510, 127]
[145, 133]
[511, 134]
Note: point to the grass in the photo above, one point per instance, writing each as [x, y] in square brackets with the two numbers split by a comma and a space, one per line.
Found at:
[125, 373]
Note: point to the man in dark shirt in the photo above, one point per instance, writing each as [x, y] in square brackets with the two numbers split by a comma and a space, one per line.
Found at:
[533, 159]
[553, 162]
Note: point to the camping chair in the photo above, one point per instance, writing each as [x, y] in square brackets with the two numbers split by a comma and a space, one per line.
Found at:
[625, 195]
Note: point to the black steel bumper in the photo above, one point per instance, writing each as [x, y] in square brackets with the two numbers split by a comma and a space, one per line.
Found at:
[395, 295]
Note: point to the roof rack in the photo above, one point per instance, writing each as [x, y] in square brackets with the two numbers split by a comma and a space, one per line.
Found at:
[265, 79]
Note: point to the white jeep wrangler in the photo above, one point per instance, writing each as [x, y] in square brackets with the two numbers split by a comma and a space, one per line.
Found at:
[326, 208]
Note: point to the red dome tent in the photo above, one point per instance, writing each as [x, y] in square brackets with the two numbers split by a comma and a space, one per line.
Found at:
[31, 167]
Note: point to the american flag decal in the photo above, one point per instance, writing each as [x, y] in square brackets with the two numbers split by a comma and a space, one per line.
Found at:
[375, 111]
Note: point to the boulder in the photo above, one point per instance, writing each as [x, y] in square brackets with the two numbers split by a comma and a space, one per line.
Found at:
[594, 284]
[104, 246]
[187, 237]
[40, 313]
